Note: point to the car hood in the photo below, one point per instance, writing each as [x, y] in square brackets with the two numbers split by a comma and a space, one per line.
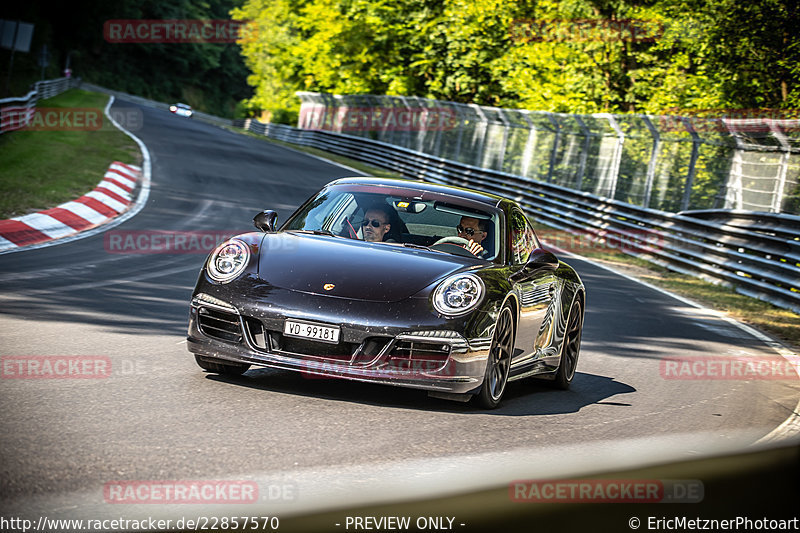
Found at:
[357, 270]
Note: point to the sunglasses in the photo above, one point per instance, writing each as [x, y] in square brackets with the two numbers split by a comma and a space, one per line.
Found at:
[375, 223]
[468, 231]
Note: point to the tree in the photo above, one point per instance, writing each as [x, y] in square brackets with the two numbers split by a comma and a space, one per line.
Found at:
[574, 56]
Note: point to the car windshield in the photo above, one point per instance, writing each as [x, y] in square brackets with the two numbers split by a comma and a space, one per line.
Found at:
[445, 225]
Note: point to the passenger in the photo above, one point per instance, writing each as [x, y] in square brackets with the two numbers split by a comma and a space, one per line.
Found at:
[376, 223]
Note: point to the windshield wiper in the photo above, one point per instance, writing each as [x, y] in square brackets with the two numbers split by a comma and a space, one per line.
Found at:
[418, 246]
[314, 232]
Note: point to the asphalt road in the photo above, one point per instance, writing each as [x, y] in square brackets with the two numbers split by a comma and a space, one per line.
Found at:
[159, 417]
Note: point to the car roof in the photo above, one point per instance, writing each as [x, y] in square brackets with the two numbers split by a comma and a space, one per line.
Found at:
[458, 192]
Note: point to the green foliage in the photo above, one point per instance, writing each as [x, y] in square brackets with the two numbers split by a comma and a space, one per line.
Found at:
[41, 169]
[575, 56]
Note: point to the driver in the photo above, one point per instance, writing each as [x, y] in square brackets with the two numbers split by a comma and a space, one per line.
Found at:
[474, 231]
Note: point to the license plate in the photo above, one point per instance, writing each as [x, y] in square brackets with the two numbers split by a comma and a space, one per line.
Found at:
[307, 330]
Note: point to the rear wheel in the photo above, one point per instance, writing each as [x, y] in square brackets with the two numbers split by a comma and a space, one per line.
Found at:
[499, 363]
[227, 369]
[571, 347]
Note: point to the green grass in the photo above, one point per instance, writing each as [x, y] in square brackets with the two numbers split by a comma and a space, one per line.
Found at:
[41, 169]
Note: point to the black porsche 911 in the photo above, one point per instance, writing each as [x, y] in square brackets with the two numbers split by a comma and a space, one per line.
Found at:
[392, 281]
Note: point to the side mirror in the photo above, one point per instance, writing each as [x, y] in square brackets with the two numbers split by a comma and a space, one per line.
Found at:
[265, 221]
[541, 259]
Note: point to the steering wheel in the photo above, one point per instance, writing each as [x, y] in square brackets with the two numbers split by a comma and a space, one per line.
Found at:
[453, 245]
[452, 240]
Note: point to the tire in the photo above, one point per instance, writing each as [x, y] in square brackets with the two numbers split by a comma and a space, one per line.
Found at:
[570, 347]
[227, 369]
[499, 362]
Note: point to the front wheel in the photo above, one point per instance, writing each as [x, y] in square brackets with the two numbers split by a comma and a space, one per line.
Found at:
[227, 369]
[570, 347]
[499, 363]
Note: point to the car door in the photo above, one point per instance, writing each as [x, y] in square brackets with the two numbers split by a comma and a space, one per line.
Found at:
[535, 290]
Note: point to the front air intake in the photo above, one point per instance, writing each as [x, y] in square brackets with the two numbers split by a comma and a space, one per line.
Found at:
[219, 324]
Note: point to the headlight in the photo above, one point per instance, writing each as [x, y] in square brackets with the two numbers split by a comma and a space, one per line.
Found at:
[228, 260]
[173, 108]
[458, 295]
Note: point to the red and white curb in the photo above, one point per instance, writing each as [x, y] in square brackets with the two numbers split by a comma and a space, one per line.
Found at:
[112, 197]
[102, 215]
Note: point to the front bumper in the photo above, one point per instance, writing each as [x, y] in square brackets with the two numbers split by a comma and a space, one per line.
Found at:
[430, 353]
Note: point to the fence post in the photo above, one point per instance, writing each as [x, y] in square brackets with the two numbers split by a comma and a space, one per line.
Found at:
[651, 165]
[504, 145]
[780, 183]
[437, 144]
[687, 189]
[615, 165]
[460, 136]
[587, 136]
[554, 151]
[530, 144]
[330, 110]
[375, 107]
[479, 153]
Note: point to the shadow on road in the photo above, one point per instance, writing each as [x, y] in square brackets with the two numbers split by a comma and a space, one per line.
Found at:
[527, 397]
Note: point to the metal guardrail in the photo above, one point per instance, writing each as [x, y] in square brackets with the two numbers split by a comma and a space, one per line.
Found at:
[784, 226]
[763, 262]
[17, 112]
[51, 88]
